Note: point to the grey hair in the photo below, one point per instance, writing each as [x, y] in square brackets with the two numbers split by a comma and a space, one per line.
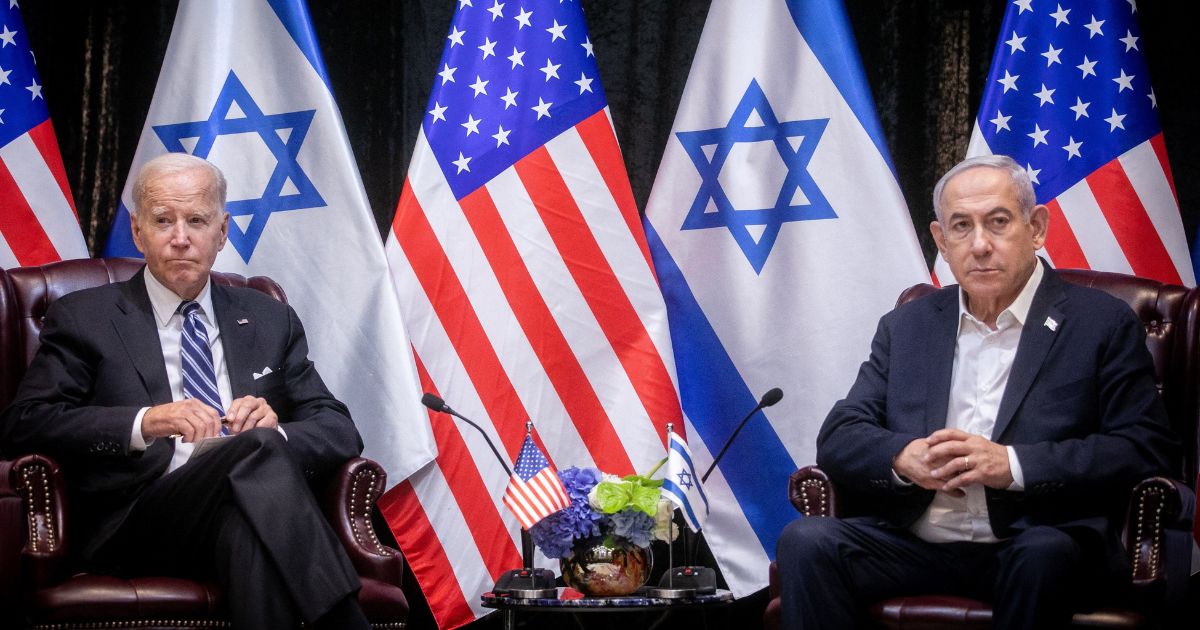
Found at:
[1018, 175]
[170, 164]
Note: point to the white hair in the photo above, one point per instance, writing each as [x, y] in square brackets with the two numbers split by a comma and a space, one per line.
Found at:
[1019, 176]
[170, 164]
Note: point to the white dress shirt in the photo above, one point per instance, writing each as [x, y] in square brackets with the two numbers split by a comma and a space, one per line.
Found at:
[983, 360]
[165, 303]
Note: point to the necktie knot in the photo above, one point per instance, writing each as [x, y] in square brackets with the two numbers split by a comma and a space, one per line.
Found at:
[187, 307]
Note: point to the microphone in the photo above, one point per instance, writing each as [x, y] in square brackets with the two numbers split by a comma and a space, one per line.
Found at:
[527, 582]
[772, 396]
[435, 402]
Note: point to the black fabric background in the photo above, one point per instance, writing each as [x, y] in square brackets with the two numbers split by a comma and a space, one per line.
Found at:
[926, 62]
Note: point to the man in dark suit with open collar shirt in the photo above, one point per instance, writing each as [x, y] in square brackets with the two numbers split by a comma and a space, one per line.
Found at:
[130, 375]
[991, 437]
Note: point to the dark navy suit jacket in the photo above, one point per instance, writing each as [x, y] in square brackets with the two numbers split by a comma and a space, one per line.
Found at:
[100, 361]
[1081, 410]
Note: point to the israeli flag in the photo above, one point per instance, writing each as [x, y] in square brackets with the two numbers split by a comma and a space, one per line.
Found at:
[681, 483]
[243, 85]
[780, 236]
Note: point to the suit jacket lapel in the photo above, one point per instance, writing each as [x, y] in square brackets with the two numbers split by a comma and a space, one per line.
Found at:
[237, 340]
[139, 334]
[1036, 341]
[941, 339]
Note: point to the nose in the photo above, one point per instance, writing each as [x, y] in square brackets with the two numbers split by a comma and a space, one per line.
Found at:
[179, 235]
[981, 243]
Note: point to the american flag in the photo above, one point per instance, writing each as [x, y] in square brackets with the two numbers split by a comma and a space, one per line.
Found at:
[527, 288]
[1069, 97]
[534, 491]
[38, 222]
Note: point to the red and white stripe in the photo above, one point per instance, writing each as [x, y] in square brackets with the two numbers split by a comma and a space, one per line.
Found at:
[1123, 217]
[38, 223]
[537, 498]
[532, 297]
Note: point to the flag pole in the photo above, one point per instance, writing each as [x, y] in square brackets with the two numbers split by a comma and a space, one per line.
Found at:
[526, 537]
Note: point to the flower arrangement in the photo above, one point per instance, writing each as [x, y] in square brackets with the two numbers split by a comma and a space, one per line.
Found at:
[620, 511]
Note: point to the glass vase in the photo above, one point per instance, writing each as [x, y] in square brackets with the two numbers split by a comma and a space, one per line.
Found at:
[597, 570]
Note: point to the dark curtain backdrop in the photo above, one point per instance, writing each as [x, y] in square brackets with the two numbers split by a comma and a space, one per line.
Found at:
[926, 61]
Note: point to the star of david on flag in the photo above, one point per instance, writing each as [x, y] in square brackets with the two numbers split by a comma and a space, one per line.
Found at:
[1069, 97]
[282, 134]
[775, 193]
[799, 197]
[681, 483]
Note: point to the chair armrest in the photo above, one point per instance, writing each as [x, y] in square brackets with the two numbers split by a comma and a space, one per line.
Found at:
[348, 502]
[811, 492]
[1155, 505]
[33, 528]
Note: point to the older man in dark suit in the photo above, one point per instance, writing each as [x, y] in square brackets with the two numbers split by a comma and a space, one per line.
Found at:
[131, 375]
[991, 437]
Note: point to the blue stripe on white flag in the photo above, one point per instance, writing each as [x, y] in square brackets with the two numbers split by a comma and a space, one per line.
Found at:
[294, 16]
[689, 514]
[679, 447]
[120, 239]
[708, 383]
[826, 29]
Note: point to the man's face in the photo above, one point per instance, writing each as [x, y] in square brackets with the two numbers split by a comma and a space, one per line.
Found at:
[985, 239]
[180, 229]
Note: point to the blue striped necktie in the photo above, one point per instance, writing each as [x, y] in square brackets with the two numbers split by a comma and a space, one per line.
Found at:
[199, 375]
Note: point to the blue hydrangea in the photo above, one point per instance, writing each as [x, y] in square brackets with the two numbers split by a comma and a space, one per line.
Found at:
[634, 526]
[556, 533]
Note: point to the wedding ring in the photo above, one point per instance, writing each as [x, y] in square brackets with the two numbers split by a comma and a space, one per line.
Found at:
[967, 462]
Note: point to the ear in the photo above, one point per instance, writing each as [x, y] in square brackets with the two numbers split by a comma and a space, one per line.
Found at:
[224, 230]
[939, 236]
[1039, 219]
[137, 233]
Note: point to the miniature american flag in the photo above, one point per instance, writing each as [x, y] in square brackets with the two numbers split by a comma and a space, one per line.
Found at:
[534, 491]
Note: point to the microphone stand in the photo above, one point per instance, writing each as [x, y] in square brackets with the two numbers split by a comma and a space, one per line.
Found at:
[527, 582]
[688, 581]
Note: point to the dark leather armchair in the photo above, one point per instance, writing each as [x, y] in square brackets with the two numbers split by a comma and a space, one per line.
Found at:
[39, 585]
[1156, 533]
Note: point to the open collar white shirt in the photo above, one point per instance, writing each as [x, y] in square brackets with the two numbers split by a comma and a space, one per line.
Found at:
[983, 360]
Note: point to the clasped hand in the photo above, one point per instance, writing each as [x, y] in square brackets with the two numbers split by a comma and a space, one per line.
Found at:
[193, 420]
[949, 460]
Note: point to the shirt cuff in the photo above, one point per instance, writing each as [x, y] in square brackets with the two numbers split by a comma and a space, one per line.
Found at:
[1014, 466]
[898, 480]
[279, 428]
[136, 441]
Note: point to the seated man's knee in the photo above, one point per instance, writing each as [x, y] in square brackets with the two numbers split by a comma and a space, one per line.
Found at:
[809, 539]
[1048, 548]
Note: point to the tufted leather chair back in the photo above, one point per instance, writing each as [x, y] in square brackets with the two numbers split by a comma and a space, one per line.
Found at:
[1171, 315]
[26, 293]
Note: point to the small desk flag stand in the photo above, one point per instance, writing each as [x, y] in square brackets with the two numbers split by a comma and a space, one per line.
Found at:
[684, 582]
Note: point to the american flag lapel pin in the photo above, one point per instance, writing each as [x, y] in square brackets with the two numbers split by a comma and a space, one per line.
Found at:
[1051, 324]
[243, 322]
